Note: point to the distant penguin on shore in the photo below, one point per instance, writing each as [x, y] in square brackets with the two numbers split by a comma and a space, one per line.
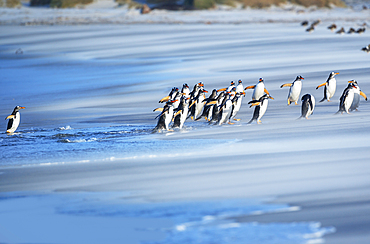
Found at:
[308, 105]
[14, 119]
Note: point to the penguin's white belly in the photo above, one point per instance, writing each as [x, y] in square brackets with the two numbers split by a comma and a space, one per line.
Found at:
[330, 89]
[295, 91]
[258, 91]
[15, 123]
[168, 119]
[183, 117]
[226, 111]
[348, 100]
[198, 109]
[263, 108]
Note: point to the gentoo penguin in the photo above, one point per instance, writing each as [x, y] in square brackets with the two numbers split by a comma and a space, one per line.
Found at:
[193, 95]
[332, 27]
[308, 105]
[225, 110]
[229, 88]
[366, 49]
[316, 22]
[216, 107]
[14, 119]
[207, 109]
[351, 30]
[237, 103]
[294, 90]
[347, 98]
[311, 28]
[330, 87]
[171, 95]
[356, 97]
[185, 91]
[261, 106]
[361, 30]
[259, 89]
[165, 117]
[198, 104]
[239, 87]
[304, 23]
[341, 31]
[181, 113]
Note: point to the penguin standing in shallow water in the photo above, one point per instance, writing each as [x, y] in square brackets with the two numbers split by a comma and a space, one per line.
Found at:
[261, 107]
[14, 119]
[216, 107]
[182, 113]
[165, 117]
[330, 87]
[237, 103]
[294, 90]
[308, 105]
[259, 89]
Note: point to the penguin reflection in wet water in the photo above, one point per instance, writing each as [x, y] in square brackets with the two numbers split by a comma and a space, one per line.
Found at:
[261, 107]
[14, 119]
[308, 105]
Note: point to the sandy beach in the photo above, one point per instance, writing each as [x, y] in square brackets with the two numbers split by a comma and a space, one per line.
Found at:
[84, 159]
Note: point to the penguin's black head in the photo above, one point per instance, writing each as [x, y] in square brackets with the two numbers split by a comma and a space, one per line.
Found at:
[232, 83]
[17, 108]
[260, 80]
[185, 85]
[239, 81]
[299, 77]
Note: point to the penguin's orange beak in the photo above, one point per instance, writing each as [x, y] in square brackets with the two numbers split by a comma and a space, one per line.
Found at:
[22, 107]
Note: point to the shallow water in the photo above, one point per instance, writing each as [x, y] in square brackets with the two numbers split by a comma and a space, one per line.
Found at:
[200, 222]
[93, 144]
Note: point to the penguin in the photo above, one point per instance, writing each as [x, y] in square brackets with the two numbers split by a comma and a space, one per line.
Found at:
[304, 23]
[239, 87]
[261, 106]
[294, 90]
[182, 113]
[316, 22]
[14, 119]
[366, 49]
[361, 30]
[332, 27]
[198, 103]
[308, 105]
[193, 95]
[207, 109]
[311, 28]
[347, 98]
[356, 97]
[330, 87]
[216, 107]
[237, 103]
[185, 91]
[171, 95]
[259, 89]
[225, 110]
[351, 30]
[165, 117]
[341, 31]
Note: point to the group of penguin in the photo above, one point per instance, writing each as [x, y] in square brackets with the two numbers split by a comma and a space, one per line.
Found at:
[223, 104]
[333, 27]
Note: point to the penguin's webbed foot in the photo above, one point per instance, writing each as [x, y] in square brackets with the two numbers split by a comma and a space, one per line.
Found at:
[237, 119]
